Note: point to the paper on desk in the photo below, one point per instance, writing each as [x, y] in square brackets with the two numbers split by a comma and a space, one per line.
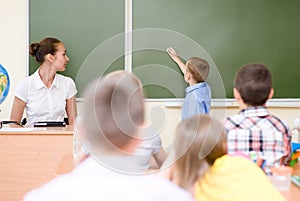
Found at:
[8, 129]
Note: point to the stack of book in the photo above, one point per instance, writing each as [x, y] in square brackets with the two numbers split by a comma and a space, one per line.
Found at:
[295, 153]
[296, 180]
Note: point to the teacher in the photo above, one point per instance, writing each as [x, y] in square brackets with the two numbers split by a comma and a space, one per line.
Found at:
[46, 95]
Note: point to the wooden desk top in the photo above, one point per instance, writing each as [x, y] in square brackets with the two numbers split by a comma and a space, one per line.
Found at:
[68, 130]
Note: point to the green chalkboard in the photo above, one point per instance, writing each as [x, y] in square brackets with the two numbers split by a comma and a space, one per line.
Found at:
[233, 33]
[227, 33]
[84, 27]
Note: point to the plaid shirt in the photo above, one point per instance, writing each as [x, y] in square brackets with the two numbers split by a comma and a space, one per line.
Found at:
[254, 129]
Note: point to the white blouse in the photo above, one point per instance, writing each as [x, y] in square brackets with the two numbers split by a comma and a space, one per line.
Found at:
[42, 103]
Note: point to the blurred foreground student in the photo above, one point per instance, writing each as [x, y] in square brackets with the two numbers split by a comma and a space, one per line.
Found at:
[198, 94]
[46, 95]
[113, 116]
[254, 129]
[204, 168]
[148, 156]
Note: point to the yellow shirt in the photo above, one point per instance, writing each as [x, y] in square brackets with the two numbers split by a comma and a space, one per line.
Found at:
[235, 178]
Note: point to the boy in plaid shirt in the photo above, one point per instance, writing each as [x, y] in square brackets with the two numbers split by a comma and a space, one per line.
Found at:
[254, 129]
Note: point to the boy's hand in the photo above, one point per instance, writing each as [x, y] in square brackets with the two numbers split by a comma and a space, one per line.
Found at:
[173, 54]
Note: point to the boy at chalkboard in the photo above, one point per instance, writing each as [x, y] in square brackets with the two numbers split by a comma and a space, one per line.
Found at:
[198, 94]
[254, 131]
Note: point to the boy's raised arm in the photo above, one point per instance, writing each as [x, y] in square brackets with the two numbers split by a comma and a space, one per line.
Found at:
[173, 54]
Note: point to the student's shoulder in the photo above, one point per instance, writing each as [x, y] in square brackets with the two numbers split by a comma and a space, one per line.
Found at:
[233, 119]
[50, 190]
[170, 191]
[278, 122]
[276, 118]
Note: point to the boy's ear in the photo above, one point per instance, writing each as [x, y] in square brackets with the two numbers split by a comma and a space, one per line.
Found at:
[271, 93]
[188, 75]
[236, 94]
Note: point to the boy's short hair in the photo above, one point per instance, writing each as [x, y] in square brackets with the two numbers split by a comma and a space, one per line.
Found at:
[254, 83]
[199, 68]
[113, 110]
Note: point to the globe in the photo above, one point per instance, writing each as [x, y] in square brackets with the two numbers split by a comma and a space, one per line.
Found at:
[4, 84]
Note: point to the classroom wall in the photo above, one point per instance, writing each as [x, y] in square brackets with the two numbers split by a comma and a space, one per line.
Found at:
[166, 116]
[13, 56]
[173, 117]
[13, 48]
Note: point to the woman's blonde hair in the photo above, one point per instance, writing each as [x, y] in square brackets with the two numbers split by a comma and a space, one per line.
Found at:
[200, 140]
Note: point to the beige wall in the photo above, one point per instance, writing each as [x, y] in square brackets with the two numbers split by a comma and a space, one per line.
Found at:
[173, 117]
[13, 56]
[13, 48]
[165, 118]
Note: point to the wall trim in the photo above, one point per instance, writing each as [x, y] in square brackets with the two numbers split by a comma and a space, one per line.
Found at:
[222, 102]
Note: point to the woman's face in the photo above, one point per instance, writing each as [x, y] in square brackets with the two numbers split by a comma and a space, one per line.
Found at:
[60, 58]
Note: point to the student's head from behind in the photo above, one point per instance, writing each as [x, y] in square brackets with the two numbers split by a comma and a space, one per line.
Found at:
[200, 140]
[253, 84]
[198, 68]
[113, 113]
[44, 47]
